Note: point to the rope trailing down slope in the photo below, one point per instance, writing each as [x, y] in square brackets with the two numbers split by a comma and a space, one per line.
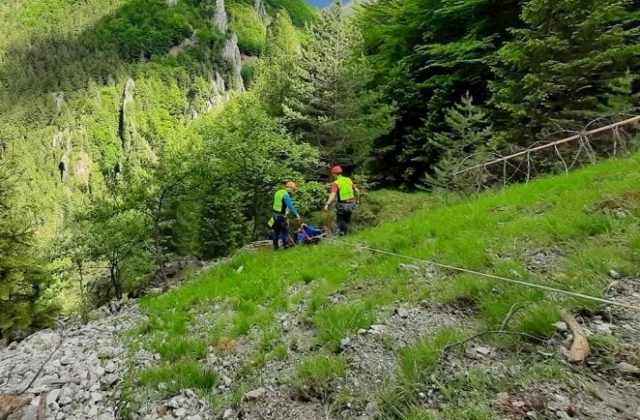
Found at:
[487, 275]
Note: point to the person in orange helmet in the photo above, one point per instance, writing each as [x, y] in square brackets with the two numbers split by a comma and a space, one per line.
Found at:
[347, 194]
[281, 203]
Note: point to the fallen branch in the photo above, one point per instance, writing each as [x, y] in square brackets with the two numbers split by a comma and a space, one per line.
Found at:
[580, 346]
[480, 334]
[42, 367]
[512, 311]
[579, 136]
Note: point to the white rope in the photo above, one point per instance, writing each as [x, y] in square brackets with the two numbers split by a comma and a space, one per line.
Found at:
[491, 276]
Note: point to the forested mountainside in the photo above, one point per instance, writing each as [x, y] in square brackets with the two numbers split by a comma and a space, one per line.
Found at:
[95, 94]
[137, 132]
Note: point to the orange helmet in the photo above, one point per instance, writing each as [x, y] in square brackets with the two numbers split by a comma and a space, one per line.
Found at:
[336, 170]
[292, 185]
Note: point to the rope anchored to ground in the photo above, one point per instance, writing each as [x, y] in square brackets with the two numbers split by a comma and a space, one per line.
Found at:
[488, 275]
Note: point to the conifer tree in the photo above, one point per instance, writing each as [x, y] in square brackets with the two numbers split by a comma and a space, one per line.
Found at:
[468, 135]
[558, 70]
[331, 105]
[23, 277]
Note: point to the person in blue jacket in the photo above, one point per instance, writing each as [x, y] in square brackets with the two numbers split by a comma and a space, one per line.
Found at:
[281, 203]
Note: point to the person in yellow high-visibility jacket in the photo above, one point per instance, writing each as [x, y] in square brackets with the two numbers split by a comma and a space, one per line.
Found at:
[347, 195]
[281, 203]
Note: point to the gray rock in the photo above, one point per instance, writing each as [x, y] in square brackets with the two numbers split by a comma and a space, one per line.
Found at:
[172, 403]
[628, 368]
[93, 412]
[109, 380]
[226, 380]
[180, 413]
[52, 396]
[377, 329]
[256, 394]
[107, 353]
[614, 275]
[64, 401]
[402, 313]
[345, 343]
[605, 328]
[96, 397]
[228, 414]
[29, 412]
[110, 367]
[561, 326]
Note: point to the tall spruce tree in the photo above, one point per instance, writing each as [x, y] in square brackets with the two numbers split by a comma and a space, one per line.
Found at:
[560, 69]
[331, 105]
[23, 277]
[275, 69]
[464, 142]
[426, 55]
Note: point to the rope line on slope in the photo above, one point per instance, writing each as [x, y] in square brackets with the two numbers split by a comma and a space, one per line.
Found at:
[487, 275]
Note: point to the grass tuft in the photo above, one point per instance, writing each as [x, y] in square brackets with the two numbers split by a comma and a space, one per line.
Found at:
[336, 322]
[418, 362]
[172, 377]
[316, 377]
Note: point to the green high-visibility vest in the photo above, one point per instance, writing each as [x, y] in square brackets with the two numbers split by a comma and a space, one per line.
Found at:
[345, 188]
[278, 201]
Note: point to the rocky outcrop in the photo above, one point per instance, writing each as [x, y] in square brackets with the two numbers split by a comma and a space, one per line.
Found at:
[231, 54]
[218, 95]
[260, 9]
[70, 373]
[220, 19]
[124, 130]
[82, 167]
[58, 98]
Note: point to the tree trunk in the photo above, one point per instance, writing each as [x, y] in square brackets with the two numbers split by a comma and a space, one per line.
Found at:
[83, 298]
[115, 279]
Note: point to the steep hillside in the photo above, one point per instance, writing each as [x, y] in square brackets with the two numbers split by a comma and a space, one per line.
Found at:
[336, 331]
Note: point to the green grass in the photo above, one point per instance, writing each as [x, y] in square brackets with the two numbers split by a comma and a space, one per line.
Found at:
[170, 378]
[418, 362]
[336, 322]
[316, 376]
[345, 286]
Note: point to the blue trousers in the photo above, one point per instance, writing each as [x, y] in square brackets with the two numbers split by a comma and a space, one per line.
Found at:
[280, 231]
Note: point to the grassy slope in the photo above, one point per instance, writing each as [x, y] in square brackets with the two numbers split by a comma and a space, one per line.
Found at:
[567, 216]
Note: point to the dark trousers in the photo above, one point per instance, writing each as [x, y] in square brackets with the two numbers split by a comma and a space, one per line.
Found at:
[280, 231]
[343, 217]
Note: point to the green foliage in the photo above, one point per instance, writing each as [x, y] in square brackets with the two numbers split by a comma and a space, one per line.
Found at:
[143, 28]
[250, 28]
[559, 69]
[331, 104]
[468, 136]
[418, 362]
[426, 54]
[23, 276]
[274, 80]
[250, 154]
[316, 377]
[337, 322]
[300, 11]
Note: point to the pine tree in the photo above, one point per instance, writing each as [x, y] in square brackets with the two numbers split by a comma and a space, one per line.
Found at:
[468, 136]
[559, 69]
[275, 69]
[23, 278]
[331, 105]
